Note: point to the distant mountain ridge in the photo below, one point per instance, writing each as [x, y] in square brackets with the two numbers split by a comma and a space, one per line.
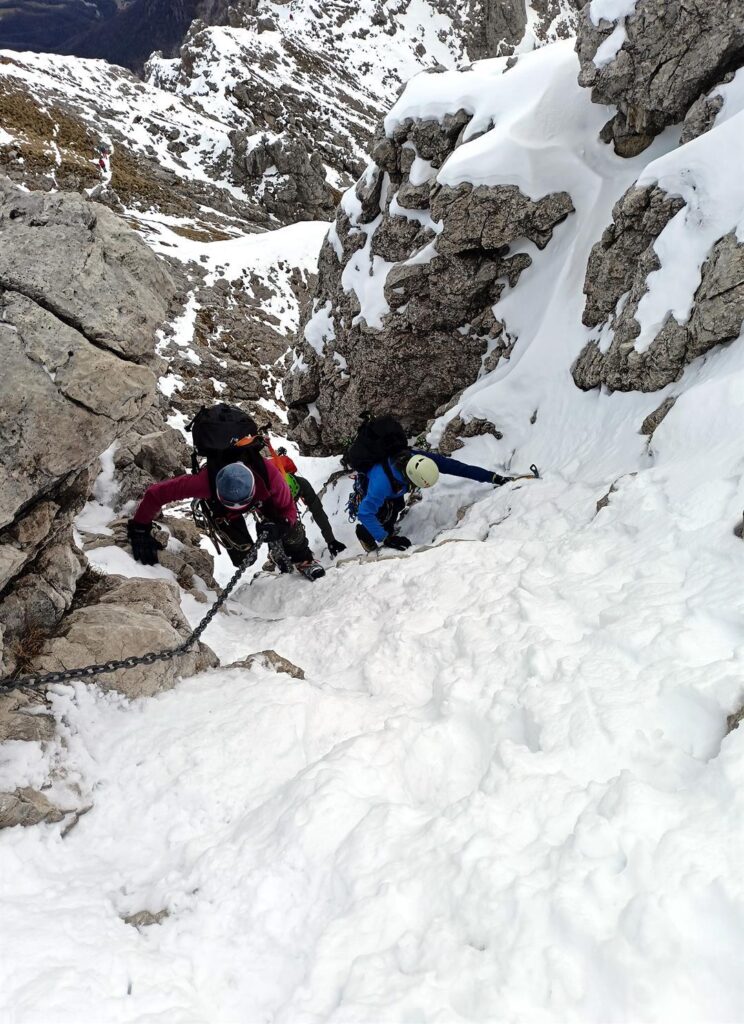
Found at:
[127, 32]
[124, 33]
[48, 24]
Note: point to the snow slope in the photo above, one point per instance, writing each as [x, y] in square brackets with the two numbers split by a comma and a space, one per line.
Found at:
[503, 790]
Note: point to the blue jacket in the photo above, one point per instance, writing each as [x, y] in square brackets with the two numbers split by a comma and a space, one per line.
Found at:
[380, 488]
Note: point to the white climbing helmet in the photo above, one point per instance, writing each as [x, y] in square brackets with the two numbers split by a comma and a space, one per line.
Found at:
[422, 471]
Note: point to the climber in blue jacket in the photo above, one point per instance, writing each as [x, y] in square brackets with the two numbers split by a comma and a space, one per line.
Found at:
[387, 484]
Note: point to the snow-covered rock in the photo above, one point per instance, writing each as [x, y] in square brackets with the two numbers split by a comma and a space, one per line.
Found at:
[653, 59]
[666, 282]
[446, 217]
[303, 85]
[168, 159]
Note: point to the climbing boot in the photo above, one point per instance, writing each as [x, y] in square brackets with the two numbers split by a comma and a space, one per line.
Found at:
[310, 570]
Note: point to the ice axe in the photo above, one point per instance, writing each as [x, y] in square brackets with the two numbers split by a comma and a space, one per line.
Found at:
[534, 474]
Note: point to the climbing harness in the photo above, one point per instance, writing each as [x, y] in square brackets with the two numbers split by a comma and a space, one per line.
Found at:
[355, 498]
[104, 668]
[215, 528]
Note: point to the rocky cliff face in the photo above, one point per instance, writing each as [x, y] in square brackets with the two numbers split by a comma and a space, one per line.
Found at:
[654, 63]
[81, 297]
[406, 310]
[405, 313]
[302, 87]
[495, 28]
[664, 73]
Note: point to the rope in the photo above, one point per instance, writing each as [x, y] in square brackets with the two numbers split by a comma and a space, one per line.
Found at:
[105, 667]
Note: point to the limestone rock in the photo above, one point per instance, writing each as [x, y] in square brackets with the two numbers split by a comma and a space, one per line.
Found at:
[270, 659]
[653, 420]
[182, 552]
[457, 429]
[146, 918]
[56, 385]
[734, 720]
[296, 188]
[149, 452]
[492, 218]
[86, 267]
[126, 617]
[638, 219]
[439, 288]
[191, 564]
[23, 717]
[701, 117]
[496, 30]
[673, 52]
[27, 807]
[39, 599]
[717, 316]
[46, 567]
[604, 501]
[493, 29]
[81, 297]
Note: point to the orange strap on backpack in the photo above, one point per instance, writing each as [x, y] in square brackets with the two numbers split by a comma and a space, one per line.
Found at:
[276, 459]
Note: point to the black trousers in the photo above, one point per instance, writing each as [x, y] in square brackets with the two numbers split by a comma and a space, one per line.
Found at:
[315, 508]
[238, 541]
[387, 517]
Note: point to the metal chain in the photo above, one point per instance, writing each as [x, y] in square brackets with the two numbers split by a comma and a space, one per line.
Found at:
[104, 668]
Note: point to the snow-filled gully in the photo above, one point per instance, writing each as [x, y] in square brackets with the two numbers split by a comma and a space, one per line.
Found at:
[501, 792]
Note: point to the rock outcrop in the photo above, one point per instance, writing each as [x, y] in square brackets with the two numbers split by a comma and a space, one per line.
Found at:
[402, 316]
[625, 249]
[493, 29]
[124, 617]
[291, 173]
[80, 299]
[665, 63]
[618, 269]
[244, 325]
[457, 429]
[654, 64]
[26, 807]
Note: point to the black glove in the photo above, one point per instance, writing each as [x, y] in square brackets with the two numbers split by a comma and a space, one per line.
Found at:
[335, 547]
[269, 533]
[144, 546]
[497, 480]
[397, 542]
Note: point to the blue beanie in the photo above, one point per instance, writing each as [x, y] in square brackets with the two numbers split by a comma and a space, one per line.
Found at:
[235, 485]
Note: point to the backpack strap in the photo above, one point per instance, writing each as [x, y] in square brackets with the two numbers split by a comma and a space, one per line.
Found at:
[394, 483]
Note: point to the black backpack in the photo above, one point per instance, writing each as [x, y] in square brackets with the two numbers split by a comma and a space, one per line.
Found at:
[223, 434]
[378, 439]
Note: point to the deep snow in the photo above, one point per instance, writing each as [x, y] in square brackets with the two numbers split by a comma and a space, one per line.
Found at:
[503, 791]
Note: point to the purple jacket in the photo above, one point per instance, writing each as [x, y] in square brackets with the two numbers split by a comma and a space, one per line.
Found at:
[274, 501]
